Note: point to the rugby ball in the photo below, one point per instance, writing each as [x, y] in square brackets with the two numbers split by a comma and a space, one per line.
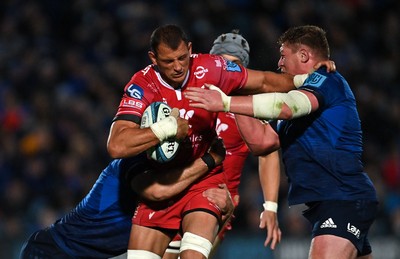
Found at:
[166, 150]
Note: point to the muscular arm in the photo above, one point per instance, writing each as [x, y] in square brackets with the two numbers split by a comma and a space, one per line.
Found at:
[156, 186]
[293, 104]
[266, 82]
[260, 138]
[269, 82]
[127, 139]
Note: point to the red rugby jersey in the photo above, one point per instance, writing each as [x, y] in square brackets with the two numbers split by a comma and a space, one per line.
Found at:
[147, 86]
[236, 150]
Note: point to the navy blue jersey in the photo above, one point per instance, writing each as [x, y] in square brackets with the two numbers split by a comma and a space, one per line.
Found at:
[99, 227]
[322, 152]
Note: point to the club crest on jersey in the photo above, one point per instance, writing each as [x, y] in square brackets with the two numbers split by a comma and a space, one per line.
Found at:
[134, 91]
[200, 72]
[232, 66]
[315, 79]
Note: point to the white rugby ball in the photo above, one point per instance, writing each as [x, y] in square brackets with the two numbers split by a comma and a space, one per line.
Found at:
[166, 150]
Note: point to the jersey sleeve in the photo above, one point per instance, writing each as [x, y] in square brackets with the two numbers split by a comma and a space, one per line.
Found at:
[136, 97]
[325, 87]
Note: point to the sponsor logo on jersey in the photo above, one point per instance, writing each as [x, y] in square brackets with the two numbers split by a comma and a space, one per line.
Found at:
[131, 103]
[328, 224]
[134, 91]
[200, 72]
[315, 79]
[221, 127]
[232, 67]
[352, 229]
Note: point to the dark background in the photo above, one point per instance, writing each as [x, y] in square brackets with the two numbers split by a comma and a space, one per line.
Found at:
[63, 66]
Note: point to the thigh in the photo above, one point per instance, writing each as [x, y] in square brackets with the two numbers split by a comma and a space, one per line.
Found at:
[149, 239]
[199, 232]
[329, 246]
[201, 223]
[349, 220]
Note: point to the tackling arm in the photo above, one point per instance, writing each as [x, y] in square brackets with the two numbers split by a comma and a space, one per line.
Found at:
[293, 104]
[269, 82]
[156, 186]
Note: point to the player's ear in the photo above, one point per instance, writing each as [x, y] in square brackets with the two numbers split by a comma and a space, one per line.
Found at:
[190, 47]
[152, 57]
[304, 55]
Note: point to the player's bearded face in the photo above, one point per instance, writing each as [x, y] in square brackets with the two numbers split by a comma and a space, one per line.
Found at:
[173, 64]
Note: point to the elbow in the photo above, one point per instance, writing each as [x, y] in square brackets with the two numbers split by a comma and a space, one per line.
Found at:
[114, 150]
[266, 146]
[156, 194]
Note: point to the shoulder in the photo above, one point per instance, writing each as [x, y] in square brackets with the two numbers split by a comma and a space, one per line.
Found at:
[207, 61]
[146, 73]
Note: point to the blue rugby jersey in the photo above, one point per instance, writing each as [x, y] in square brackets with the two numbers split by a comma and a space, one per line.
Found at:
[99, 227]
[322, 152]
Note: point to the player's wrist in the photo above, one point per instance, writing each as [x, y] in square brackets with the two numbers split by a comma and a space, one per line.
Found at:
[209, 161]
[165, 128]
[270, 206]
[298, 80]
[226, 100]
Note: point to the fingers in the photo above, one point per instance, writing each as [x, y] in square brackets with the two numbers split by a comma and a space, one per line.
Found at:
[174, 112]
[220, 197]
[274, 234]
[223, 186]
[333, 66]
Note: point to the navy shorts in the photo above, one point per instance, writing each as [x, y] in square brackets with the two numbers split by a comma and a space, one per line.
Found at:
[347, 219]
[40, 245]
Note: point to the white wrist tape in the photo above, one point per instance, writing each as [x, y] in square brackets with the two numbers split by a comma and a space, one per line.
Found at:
[195, 242]
[173, 247]
[226, 100]
[270, 206]
[143, 254]
[269, 105]
[165, 128]
[298, 80]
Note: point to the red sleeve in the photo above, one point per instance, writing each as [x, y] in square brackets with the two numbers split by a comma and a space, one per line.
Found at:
[136, 97]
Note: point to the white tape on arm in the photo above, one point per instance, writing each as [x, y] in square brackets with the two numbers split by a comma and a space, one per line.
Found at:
[165, 128]
[298, 80]
[271, 206]
[269, 105]
[226, 100]
[143, 254]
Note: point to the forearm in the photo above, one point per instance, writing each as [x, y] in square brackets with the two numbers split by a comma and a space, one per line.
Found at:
[157, 186]
[269, 173]
[274, 105]
[267, 82]
[126, 139]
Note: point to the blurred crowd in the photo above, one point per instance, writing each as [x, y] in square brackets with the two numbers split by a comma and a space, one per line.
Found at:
[64, 64]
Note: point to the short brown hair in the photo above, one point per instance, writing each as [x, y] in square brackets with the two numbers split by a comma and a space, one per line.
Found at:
[171, 35]
[309, 35]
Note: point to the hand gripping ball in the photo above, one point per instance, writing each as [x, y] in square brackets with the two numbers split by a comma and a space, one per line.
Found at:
[166, 150]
